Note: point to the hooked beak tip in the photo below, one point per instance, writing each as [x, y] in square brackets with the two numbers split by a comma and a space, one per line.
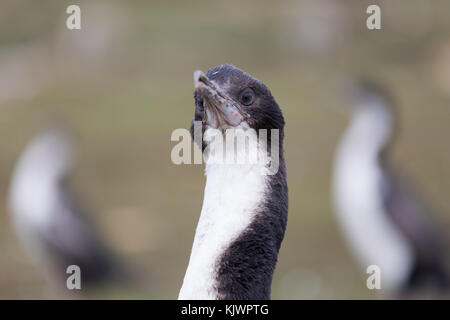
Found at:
[198, 75]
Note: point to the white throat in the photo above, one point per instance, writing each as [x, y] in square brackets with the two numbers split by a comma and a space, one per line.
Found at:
[357, 191]
[232, 195]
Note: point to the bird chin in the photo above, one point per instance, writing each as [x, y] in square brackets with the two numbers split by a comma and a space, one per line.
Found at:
[223, 118]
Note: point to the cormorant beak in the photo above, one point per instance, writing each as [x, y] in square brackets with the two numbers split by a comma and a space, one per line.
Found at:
[220, 109]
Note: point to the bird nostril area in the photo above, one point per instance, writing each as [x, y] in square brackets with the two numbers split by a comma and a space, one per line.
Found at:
[202, 79]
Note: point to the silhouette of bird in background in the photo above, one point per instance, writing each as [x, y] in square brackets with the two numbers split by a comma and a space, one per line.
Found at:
[383, 223]
[48, 220]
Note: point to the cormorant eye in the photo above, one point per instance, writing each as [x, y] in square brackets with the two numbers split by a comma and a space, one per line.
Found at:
[247, 97]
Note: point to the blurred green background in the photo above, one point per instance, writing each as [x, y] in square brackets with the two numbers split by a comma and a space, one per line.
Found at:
[123, 83]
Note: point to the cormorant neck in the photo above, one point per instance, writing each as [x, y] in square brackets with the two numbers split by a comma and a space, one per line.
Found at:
[238, 234]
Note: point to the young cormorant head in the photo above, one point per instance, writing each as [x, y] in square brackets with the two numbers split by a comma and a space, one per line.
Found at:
[227, 97]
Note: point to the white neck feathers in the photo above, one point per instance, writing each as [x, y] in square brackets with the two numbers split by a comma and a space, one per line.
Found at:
[232, 195]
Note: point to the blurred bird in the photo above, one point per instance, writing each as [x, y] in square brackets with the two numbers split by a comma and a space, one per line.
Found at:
[384, 224]
[49, 221]
[245, 206]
